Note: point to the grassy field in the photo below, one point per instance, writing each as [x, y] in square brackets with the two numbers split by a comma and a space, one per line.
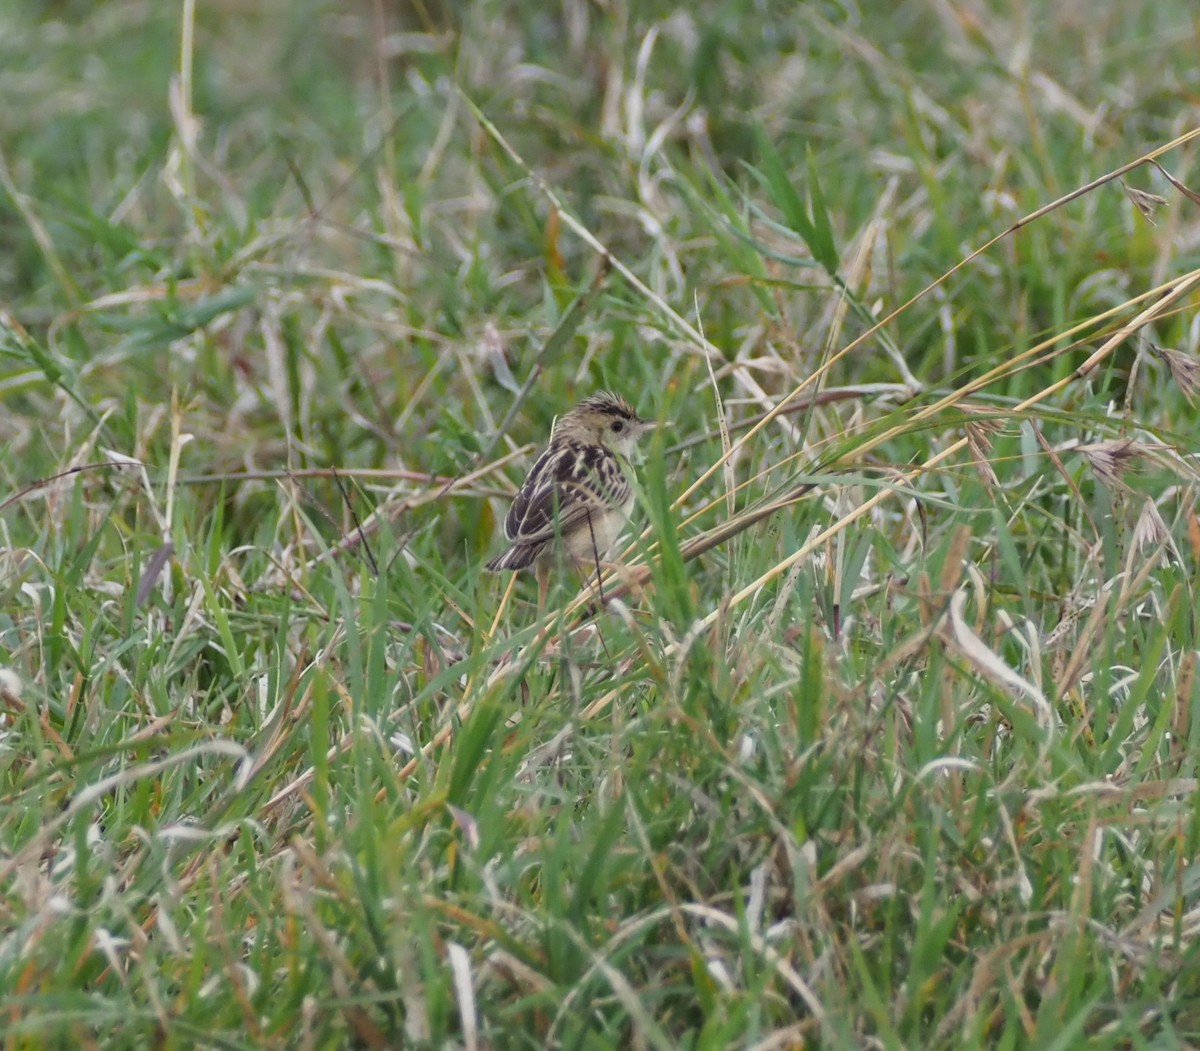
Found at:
[887, 735]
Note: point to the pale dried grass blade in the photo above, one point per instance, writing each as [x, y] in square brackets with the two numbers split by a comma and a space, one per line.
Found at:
[1191, 195]
[988, 663]
[464, 990]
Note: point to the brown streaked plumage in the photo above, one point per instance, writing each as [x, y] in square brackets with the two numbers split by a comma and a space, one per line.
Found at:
[577, 498]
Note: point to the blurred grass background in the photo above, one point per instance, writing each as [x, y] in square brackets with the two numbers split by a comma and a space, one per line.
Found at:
[908, 763]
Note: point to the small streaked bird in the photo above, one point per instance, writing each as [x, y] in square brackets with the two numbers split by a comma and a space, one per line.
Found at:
[577, 497]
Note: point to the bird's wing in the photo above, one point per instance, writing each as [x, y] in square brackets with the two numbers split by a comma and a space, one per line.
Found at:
[566, 486]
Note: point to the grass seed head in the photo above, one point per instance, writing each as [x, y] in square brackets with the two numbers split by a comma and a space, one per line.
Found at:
[1110, 459]
[1146, 203]
[1184, 370]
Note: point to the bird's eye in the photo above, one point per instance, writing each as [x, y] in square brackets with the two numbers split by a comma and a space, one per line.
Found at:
[618, 427]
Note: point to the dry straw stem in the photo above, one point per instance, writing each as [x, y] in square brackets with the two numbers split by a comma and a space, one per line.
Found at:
[827, 396]
[42, 483]
[1178, 290]
[1162, 298]
[1174, 291]
[385, 474]
[853, 345]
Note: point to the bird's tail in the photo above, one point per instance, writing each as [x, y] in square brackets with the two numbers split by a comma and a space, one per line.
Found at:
[519, 556]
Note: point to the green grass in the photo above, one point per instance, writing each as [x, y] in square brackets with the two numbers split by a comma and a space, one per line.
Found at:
[887, 738]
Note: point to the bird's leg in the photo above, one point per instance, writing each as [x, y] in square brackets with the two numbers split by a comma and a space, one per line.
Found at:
[596, 556]
[543, 582]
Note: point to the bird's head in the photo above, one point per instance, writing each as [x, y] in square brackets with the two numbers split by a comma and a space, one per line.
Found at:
[605, 419]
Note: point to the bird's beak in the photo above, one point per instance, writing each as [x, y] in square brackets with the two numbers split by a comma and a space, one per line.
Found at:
[646, 425]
